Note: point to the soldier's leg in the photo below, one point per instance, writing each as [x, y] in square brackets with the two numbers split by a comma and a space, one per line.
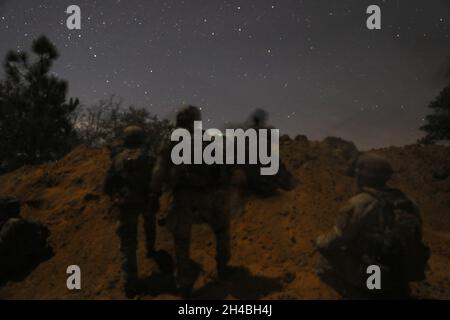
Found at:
[162, 258]
[180, 220]
[149, 229]
[184, 265]
[221, 229]
[127, 232]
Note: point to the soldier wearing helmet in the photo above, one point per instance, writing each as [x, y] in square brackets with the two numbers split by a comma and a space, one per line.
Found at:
[186, 116]
[261, 185]
[127, 183]
[197, 195]
[379, 226]
[258, 119]
[373, 171]
[134, 137]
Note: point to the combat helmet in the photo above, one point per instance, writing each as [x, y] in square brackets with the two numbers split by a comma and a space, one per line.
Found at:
[187, 115]
[133, 136]
[373, 170]
[258, 118]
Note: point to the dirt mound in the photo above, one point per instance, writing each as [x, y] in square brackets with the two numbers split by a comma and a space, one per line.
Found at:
[271, 238]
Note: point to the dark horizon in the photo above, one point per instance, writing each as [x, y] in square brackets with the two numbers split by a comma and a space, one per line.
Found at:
[313, 66]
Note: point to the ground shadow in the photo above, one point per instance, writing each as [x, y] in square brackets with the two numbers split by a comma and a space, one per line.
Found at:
[163, 281]
[241, 285]
[19, 271]
[351, 292]
[158, 283]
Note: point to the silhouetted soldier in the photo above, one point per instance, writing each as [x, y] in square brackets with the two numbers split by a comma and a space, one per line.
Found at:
[258, 119]
[127, 182]
[379, 226]
[196, 193]
[265, 186]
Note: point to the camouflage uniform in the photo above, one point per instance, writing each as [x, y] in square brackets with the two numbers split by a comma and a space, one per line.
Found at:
[200, 193]
[359, 239]
[23, 242]
[127, 182]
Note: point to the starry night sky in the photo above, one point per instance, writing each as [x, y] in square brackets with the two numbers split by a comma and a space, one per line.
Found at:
[312, 64]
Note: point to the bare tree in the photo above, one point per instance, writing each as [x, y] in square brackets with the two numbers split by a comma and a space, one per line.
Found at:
[102, 124]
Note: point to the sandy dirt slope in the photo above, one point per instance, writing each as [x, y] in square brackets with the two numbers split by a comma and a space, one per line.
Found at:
[271, 237]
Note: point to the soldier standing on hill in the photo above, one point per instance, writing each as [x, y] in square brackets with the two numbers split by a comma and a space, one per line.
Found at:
[195, 190]
[379, 226]
[260, 185]
[127, 183]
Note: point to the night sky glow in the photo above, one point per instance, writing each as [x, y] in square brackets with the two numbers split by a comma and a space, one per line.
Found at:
[312, 64]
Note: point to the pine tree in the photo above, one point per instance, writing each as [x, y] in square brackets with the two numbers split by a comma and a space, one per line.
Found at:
[437, 125]
[35, 115]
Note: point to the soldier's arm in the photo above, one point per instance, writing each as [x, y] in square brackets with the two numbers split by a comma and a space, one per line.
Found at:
[333, 238]
[352, 218]
[358, 220]
[111, 181]
[160, 171]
